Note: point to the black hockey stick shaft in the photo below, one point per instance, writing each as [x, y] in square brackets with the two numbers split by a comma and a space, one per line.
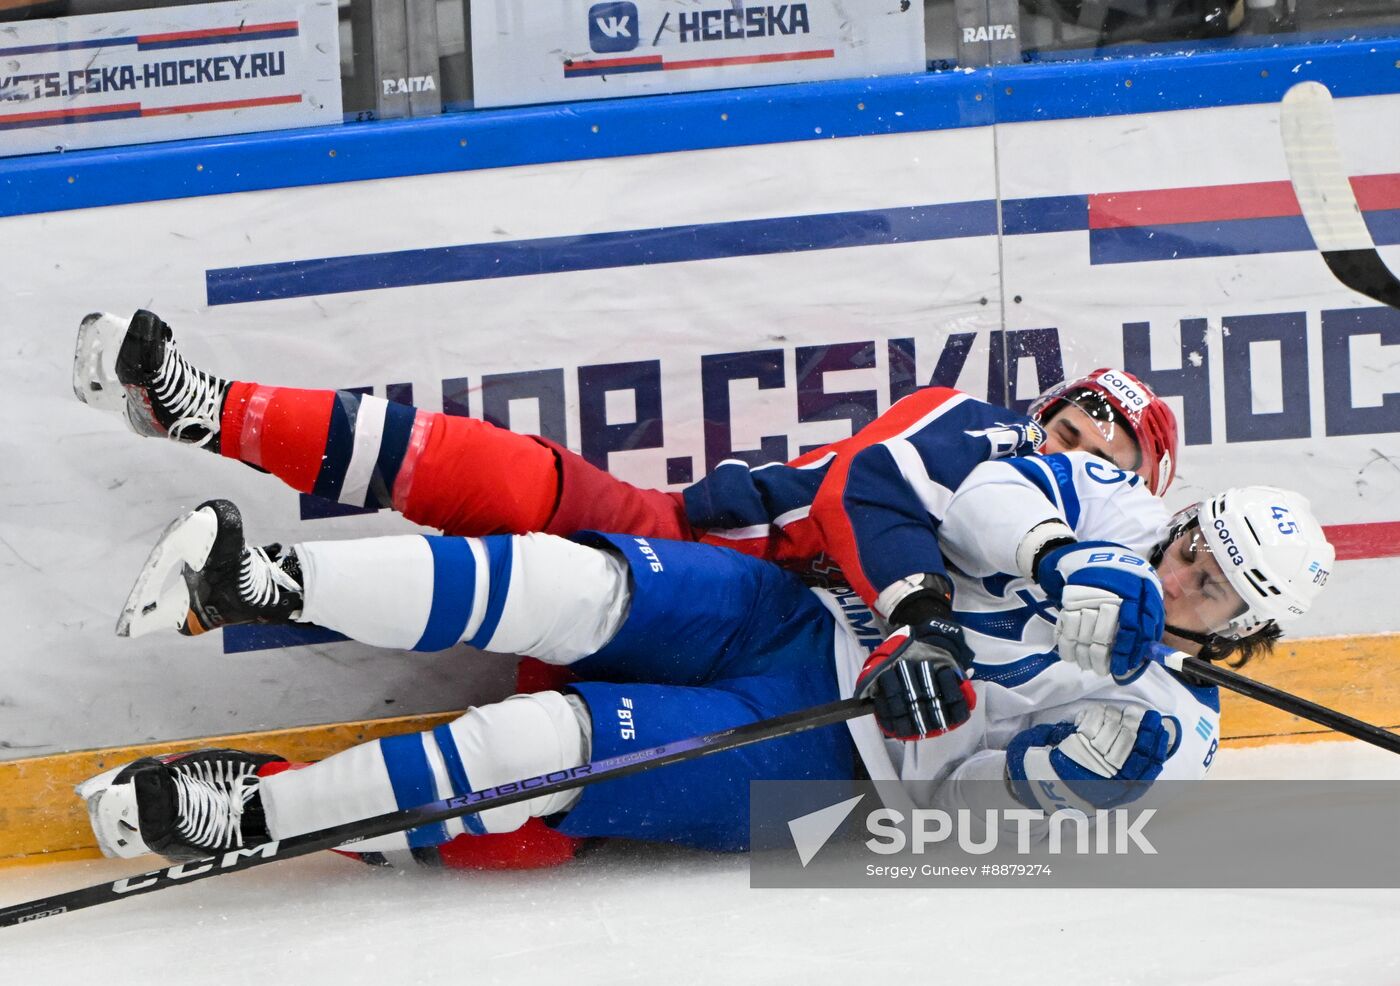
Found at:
[439, 811]
[1279, 699]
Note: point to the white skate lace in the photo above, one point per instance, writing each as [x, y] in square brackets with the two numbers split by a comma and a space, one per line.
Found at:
[192, 398]
[262, 580]
[211, 798]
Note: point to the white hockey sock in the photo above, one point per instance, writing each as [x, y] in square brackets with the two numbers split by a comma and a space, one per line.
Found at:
[530, 594]
[524, 736]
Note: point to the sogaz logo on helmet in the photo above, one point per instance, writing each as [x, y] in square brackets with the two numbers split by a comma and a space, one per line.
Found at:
[1128, 392]
[1223, 533]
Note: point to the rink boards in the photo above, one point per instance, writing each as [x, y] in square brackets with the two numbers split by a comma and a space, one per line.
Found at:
[664, 282]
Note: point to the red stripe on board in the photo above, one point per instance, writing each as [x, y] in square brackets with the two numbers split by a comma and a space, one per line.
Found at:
[1192, 205]
[231, 104]
[210, 32]
[790, 56]
[614, 62]
[1377, 191]
[75, 111]
[1356, 541]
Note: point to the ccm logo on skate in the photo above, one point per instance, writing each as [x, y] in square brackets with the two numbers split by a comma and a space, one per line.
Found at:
[649, 553]
[626, 723]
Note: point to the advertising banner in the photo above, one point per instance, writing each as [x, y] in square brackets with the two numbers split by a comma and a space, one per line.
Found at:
[168, 73]
[543, 53]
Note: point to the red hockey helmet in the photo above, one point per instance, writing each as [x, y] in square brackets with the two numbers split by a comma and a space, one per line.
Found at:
[1151, 421]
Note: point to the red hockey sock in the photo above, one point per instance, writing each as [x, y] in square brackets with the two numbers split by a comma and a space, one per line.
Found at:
[280, 429]
[473, 478]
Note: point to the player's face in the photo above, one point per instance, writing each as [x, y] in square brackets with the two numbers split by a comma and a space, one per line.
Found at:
[1073, 430]
[1195, 591]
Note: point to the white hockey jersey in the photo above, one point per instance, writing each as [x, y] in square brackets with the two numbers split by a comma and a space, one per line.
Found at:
[1009, 624]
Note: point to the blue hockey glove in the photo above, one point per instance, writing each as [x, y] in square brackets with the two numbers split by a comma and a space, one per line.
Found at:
[1110, 605]
[917, 681]
[1107, 757]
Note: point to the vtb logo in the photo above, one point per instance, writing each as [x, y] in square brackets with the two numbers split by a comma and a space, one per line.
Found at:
[613, 26]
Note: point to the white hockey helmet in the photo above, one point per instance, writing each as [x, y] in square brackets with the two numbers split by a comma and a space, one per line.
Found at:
[1271, 548]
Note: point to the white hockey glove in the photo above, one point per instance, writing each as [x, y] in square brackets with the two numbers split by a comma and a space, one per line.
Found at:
[1108, 756]
[1110, 603]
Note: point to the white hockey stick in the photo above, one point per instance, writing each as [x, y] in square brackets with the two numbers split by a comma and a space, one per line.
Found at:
[1325, 194]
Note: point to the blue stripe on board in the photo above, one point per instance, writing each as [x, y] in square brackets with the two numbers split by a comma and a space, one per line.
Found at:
[233, 37]
[454, 589]
[596, 251]
[1049, 214]
[1180, 241]
[55, 121]
[575, 73]
[412, 779]
[340, 446]
[255, 636]
[1384, 225]
[457, 771]
[498, 549]
[67, 46]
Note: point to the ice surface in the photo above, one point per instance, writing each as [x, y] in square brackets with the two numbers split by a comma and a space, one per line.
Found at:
[641, 914]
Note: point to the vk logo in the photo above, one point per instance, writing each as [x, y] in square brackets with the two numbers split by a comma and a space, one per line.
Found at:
[613, 26]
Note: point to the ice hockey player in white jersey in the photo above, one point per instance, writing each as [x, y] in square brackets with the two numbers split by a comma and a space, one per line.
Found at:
[1049, 609]
[1048, 690]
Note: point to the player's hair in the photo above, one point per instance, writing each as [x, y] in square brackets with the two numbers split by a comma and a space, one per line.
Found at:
[1238, 653]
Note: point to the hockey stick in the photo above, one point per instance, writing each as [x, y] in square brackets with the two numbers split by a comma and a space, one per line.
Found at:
[1301, 707]
[1325, 194]
[439, 811]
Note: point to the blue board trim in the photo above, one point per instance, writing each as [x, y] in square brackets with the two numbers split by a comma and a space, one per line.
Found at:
[492, 139]
[691, 121]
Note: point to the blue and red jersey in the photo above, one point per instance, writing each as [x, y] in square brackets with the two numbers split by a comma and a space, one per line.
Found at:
[863, 511]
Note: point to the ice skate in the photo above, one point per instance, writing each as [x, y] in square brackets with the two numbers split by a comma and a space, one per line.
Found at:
[202, 575]
[133, 367]
[183, 806]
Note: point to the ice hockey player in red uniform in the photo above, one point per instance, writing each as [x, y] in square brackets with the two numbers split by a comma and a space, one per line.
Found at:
[864, 511]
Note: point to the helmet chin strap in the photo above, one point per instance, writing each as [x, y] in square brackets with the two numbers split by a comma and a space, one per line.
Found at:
[1196, 637]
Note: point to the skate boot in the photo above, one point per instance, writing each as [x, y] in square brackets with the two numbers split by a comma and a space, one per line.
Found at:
[182, 805]
[202, 575]
[134, 367]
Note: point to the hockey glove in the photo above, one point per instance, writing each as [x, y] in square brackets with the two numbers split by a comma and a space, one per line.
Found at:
[1107, 757]
[1110, 605]
[916, 680]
